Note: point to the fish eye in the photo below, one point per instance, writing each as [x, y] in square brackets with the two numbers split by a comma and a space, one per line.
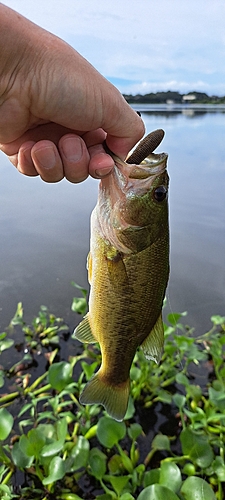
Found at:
[160, 193]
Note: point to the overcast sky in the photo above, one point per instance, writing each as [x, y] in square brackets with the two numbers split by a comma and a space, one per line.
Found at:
[142, 45]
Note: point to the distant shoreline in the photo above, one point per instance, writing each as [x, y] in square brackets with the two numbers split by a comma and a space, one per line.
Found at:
[172, 98]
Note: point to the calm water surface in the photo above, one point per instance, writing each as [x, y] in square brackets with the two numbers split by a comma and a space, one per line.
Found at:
[45, 228]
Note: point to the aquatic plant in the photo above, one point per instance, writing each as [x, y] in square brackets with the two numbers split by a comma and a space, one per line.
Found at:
[170, 445]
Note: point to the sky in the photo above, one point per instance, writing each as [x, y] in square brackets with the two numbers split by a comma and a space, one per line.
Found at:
[142, 46]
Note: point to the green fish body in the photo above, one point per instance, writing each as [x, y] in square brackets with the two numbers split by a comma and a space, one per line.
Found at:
[128, 269]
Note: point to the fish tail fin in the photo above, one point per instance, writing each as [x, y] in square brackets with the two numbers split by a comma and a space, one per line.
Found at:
[114, 398]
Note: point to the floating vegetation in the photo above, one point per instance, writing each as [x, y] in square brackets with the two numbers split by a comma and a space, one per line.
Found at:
[170, 445]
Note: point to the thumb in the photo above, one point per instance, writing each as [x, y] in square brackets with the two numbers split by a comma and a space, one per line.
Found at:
[123, 125]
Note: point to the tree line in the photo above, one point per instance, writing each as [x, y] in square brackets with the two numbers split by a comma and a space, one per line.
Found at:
[175, 97]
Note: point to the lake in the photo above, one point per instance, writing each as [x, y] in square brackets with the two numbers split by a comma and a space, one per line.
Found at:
[45, 227]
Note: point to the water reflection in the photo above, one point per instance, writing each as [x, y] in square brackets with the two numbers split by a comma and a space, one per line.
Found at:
[45, 228]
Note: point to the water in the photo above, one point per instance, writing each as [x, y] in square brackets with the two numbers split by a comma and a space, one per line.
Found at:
[45, 228]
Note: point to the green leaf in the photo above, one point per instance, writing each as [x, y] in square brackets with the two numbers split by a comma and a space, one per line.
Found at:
[25, 446]
[118, 483]
[3, 459]
[134, 431]
[57, 470]
[48, 430]
[6, 344]
[18, 316]
[182, 379]
[59, 375]
[218, 467]
[217, 397]
[194, 391]
[32, 444]
[130, 409]
[174, 317]
[6, 492]
[21, 459]
[97, 462]
[161, 442]
[109, 432]
[24, 409]
[79, 305]
[195, 488]
[52, 340]
[197, 447]
[164, 396]
[217, 320]
[52, 448]
[80, 453]
[135, 373]
[89, 369]
[2, 378]
[61, 429]
[6, 420]
[126, 461]
[157, 492]
[183, 343]
[151, 477]
[170, 476]
[57, 439]
[179, 400]
[114, 464]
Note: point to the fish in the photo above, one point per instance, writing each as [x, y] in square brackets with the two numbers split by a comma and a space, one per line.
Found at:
[128, 271]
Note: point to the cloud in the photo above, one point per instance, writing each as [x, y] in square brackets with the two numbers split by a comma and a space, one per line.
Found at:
[145, 87]
[181, 43]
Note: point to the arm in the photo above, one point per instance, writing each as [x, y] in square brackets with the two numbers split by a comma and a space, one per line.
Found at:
[55, 108]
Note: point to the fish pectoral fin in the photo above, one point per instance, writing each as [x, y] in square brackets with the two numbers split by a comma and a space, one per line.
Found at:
[89, 267]
[114, 398]
[117, 273]
[153, 344]
[83, 331]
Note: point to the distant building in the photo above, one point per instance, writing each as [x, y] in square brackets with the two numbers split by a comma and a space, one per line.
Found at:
[189, 98]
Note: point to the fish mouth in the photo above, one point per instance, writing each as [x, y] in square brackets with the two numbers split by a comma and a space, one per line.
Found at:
[133, 178]
[154, 164]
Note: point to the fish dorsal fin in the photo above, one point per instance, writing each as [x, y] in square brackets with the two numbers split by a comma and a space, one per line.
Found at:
[89, 267]
[153, 344]
[83, 331]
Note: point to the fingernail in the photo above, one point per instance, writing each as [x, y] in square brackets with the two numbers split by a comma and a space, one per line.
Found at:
[46, 157]
[24, 154]
[27, 155]
[103, 172]
[72, 149]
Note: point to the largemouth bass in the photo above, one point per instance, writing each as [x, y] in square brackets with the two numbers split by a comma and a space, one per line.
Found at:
[128, 269]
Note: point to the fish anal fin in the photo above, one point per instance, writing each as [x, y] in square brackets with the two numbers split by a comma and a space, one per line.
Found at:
[153, 344]
[114, 398]
[83, 331]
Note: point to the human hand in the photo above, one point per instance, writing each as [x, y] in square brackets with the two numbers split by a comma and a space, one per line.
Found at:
[56, 110]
